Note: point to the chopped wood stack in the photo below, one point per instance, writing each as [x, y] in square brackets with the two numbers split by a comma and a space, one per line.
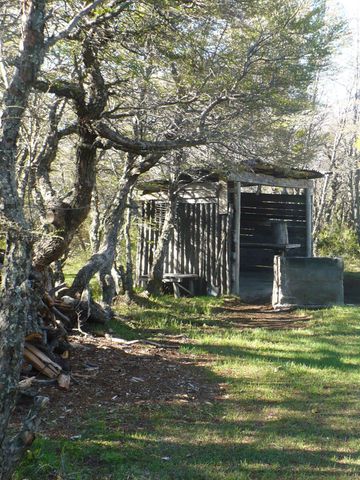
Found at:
[47, 348]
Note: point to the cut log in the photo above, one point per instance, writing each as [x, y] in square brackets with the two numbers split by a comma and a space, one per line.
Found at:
[40, 361]
[33, 337]
[61, 316]
[26, 383]
[64, 381]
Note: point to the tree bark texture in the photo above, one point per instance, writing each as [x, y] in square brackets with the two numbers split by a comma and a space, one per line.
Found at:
[103, 259]
[128, 281]
[89, 103]
[156, 272]
[15, 287]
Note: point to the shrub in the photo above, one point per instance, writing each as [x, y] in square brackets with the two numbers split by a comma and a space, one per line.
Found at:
[338, 241]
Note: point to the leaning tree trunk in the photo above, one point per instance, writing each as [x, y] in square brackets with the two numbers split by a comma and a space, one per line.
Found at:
[15, 287]
[103, 260]
[127, 280]
[156, 271]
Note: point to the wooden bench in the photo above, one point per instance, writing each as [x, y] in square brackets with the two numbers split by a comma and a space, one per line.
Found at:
[176, 280]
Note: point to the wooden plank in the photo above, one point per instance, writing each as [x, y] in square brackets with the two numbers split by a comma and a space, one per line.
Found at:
[181, 233]
[187, 237]
[208, 243]
[176, 243]
[196, 201]
[213, 246]
[157, 196]
[255, 198]
[275, 209]
[202, 241]
[140, 245]
[205, 189]
[252, 203]
[309, 222]
[217, 247]
[196, 236]
[223, 198]
[270, 246]
[41, 361]
[146, 240]
[193, 256]
[264, 219]
[263, 179]
[228, 252]
[272, 213]
[237, 238]
[152, 233]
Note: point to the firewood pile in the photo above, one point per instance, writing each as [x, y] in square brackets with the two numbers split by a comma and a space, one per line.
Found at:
[47, 349]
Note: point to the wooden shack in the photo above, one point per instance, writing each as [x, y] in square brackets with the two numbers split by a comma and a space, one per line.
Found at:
[228, 228]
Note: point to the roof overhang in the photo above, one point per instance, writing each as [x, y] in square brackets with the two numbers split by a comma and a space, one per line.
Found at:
[252, 178]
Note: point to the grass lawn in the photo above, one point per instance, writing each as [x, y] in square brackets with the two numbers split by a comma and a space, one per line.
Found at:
[289, 407]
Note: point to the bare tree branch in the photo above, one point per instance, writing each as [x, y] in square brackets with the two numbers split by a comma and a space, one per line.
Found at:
[143, 147]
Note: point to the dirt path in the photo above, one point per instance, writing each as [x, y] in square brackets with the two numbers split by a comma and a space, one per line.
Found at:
[242, 316]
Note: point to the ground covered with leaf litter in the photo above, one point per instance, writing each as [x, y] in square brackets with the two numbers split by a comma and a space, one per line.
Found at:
[106, 373]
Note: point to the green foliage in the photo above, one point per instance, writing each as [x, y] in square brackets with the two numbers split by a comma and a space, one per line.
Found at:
[338, 240]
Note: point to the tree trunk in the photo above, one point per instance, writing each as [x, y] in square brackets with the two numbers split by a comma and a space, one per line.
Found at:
[68, 215]
[94, 232]
[157, 268]
[15, 288]
[103, 260]
[128, 281]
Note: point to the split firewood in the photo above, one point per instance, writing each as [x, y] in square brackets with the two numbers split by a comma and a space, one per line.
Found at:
[61, 316]
[63, 381]
[26, 383]
[33, 337]
[46, 344]
[40, 361]
[67, 302]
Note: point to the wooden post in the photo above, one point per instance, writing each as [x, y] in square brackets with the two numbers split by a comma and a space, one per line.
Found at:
[309, 221]
[227, 250]
[237, 238]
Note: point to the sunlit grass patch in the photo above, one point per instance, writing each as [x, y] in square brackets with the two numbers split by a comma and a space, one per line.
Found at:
[289, 407]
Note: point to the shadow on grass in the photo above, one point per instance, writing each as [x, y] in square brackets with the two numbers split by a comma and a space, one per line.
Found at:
[329, 358]
[157, 453]
[288, 424]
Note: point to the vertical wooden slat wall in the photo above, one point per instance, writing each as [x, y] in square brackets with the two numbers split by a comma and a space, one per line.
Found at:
[199, 244]
[257, 213]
